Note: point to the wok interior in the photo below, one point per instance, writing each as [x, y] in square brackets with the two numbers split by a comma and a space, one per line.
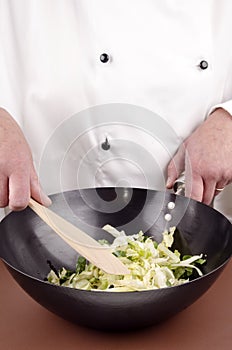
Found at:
[28, 244]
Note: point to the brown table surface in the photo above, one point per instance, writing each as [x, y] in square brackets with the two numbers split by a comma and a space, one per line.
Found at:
[207, 324]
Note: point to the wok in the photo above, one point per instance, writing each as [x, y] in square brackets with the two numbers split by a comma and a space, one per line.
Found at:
[28, 246]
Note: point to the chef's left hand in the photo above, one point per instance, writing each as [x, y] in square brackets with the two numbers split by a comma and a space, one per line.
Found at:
[206, 158]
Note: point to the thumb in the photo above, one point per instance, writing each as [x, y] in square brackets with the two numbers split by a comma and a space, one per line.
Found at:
[175, 167]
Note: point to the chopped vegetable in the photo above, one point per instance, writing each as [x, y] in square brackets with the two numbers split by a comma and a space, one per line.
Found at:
[152, 265]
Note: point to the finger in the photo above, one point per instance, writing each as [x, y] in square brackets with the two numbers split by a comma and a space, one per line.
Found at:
[4, 192]
[36, 191]
[209, 192]
[219, 187]
[19, 190]
[194, 186]
[175, 167]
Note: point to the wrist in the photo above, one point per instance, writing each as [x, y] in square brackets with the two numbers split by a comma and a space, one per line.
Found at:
[222, 114]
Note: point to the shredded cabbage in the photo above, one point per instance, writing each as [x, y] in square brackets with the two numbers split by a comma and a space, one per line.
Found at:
[152, 265]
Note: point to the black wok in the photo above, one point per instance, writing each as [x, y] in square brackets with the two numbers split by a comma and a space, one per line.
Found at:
[27, 245]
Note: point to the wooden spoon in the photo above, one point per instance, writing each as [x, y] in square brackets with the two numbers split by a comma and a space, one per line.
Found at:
[80, 241]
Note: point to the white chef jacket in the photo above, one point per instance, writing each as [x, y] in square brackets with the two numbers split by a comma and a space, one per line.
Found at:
[106, 90]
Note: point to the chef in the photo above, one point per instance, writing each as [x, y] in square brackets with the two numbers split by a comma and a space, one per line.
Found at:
[115, 93]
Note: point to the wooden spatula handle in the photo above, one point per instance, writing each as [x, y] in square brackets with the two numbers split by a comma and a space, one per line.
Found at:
[80, 241]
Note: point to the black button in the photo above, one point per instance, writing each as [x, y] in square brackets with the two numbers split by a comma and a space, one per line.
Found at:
[104, 58]
[203, 64]
[105, 145]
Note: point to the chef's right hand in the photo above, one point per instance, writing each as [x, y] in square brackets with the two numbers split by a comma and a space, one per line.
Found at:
[18, 178]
